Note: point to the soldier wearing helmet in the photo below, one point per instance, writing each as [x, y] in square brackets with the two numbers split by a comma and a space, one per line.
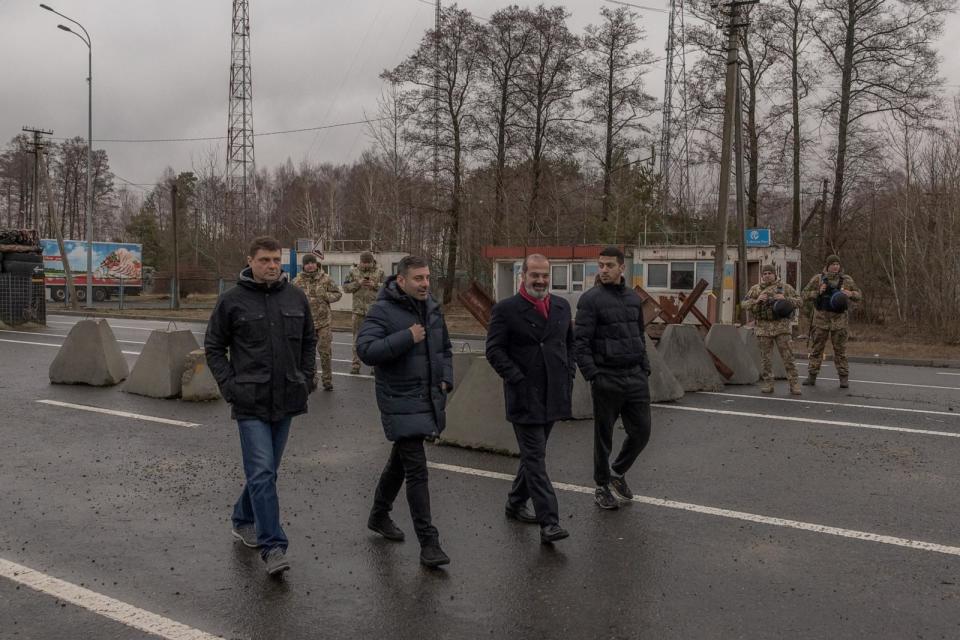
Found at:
[830, 291]
[772, 303]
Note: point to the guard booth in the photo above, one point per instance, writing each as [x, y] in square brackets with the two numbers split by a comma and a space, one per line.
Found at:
[668, 271]
[573, 268]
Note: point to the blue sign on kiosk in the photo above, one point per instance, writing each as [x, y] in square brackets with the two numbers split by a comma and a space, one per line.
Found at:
[758, 237]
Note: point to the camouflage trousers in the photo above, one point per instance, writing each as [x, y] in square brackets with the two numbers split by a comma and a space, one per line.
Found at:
[357, 321]
[782, 343]
[818, 339]
[325, 351]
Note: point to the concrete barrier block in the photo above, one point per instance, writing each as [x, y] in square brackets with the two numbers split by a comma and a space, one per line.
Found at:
[90, 355]
[197, 384]
[686, 357]
[159, 369]
[476, 413]
[664, 386]
[725, 342]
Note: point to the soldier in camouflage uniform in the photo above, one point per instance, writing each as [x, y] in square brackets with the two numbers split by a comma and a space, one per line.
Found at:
[772, 330]
[364, 283]
[828, 324]
[321, 292]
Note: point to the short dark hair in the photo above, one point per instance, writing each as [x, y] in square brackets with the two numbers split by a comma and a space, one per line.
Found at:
[309, 258]
[411, 262]
[266, 243]
[367, 257]
[533, 256]
[613, 252]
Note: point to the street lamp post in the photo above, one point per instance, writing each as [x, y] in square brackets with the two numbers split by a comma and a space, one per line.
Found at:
[89, 222]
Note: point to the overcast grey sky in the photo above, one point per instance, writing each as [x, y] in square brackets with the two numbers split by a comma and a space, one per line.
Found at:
[160, 70]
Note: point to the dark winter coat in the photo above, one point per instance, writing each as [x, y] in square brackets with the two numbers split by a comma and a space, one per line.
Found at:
[609, 333]
[269, 334]
[408, 375]
[535, 357]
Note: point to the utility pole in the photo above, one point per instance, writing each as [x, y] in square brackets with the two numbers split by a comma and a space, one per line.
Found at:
[741, 216]
[733, 55]
[175, 289]
[38, 146]
[241, 170]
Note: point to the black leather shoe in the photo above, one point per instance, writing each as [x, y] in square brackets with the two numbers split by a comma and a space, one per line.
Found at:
[520, 514]
[551, 533]
[386, 527]
[432, 556]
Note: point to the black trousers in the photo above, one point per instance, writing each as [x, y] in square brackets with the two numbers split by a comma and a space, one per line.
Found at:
[407, 462]
[532, 481]
[614, 396]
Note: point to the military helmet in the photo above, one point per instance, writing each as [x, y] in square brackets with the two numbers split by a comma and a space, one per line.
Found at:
[309, 258]
[839, 302]
[782, 309]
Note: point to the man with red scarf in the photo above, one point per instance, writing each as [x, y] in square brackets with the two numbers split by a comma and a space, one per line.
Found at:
[530, 345]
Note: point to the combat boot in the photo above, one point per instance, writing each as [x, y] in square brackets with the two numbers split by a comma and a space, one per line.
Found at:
[795, 387]
[844, 382]
[766, 387]
[810, 380]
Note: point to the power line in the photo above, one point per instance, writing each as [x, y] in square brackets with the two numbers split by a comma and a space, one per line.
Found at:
[212, 138]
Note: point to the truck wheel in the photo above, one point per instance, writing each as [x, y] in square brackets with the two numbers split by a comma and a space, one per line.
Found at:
[59, 294]
[82, 294]
[99, 295]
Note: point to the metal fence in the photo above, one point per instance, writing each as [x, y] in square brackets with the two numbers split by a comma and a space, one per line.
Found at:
[22, 300]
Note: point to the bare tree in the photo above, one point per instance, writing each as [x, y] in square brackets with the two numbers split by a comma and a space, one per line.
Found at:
[881, 54]
[612, 71]
[547, 83]
[445, 68]
[507, 39]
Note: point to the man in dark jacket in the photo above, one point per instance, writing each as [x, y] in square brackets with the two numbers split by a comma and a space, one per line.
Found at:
[404, 336]
[265, 325]
[612, 354]
[530, 345]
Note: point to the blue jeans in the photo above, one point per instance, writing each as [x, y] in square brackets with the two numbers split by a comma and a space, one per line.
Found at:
[262, 445]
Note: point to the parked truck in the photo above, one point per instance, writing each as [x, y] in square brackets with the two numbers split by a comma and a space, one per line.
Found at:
[115, 265]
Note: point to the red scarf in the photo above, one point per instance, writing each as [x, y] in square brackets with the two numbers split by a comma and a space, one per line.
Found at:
[541, 305]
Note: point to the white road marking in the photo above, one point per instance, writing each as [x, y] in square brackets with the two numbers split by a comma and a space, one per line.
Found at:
[122, 414]
[117, 326]
[100, 604]
[953, 414]
[352, 375]
[57, 335]
[832, 423]
[867, 536]
[944, 373]
[47, 344]
[897, 384]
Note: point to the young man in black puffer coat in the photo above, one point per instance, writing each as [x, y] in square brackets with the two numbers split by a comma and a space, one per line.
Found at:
[612, 355]
[404, 336]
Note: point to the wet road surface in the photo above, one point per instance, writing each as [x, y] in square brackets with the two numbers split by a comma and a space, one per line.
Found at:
[757, 517]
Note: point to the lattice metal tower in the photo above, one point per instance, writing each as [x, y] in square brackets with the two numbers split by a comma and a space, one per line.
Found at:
[241, 186]
[675, 136]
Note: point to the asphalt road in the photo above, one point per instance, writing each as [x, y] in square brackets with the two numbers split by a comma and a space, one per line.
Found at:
[757, 517]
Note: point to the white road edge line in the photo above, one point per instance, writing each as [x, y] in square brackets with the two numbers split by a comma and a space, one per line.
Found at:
[944, 373]
[832, 423]
[47, 344]
[122, 414]
[57, 335]
[953, 414]
[100, 604]
[917, 545]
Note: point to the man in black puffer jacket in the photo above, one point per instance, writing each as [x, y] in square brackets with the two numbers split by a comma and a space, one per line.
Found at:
[265, 325]
[404, 337]
[612, 355]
